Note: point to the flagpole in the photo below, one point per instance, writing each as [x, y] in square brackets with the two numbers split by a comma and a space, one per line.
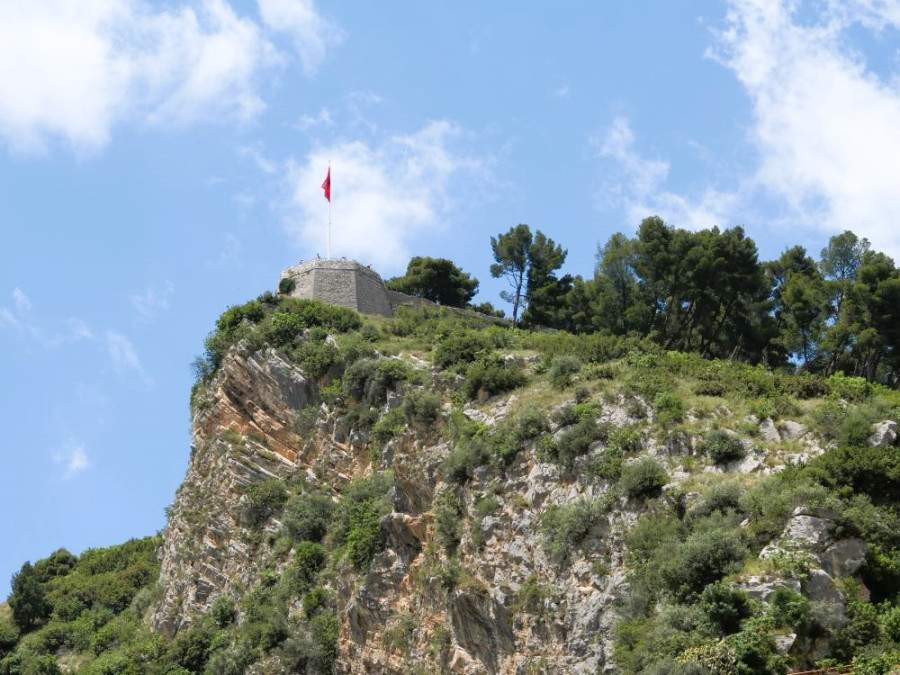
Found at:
[328, 252]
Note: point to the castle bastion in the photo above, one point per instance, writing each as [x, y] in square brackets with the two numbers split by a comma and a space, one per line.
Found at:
[345, 283]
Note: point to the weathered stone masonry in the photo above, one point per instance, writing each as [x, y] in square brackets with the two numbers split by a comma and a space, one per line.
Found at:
[345, 283]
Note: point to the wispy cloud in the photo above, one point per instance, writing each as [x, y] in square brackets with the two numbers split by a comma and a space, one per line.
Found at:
[230, 253]
[152, 302]
[124, 356]
[312, 34]
[307, 122]
[254, 153]
[384, 192]
[73, 458]
[99, 63]
[20, 318]
[21, 301]
[636, 185]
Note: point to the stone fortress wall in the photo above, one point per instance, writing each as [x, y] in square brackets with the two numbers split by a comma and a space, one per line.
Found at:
[346, 283]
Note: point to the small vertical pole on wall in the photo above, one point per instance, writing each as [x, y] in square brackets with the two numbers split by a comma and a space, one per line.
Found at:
[326, 186]
[328, 252]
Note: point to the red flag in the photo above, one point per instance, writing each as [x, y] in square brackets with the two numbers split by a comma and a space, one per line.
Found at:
[327, 185]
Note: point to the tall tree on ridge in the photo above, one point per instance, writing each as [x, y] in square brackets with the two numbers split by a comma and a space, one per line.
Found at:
[511, 251]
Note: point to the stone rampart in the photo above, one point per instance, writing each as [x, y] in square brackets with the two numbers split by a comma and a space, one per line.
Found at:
[345, 283]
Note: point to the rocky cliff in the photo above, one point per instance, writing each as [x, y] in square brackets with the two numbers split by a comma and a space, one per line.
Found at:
[515, 560]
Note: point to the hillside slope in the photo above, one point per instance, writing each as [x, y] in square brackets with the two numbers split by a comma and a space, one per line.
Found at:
[435, 494]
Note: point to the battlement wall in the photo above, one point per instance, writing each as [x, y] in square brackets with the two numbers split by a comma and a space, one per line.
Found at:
[345, 283]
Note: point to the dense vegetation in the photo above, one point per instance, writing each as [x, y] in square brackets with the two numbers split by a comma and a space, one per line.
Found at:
[805, 342]
[708, 292]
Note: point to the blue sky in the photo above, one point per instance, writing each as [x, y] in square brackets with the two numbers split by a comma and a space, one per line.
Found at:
[161, 161]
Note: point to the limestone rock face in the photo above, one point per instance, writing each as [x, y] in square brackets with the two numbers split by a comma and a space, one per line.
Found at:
[503, 604]
[247, 430]
[884, 434]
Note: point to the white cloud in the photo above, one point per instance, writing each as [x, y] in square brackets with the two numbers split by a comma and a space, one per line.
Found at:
[123, 355]
[636, 185]
[152, 302]
[827, 127]
[644, 175]
[255, 154]
[73, 458]
[382, 193]
[307, 122]
[312, 34]
[72, 71]
[21, 301]
[20, 319]
[231, 252]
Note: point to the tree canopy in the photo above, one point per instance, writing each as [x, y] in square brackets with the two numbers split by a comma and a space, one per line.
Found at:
[529, 263]
[437, 280]
[707, 291]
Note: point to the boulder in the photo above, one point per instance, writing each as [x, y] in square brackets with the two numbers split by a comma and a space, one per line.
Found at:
[763, 589]
[843, 558]
[820, 587]
[792, 431]
[884, 434]
[768, 432]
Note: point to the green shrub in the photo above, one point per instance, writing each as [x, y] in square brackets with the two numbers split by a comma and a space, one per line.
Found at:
[511, 435]
[855, 429]
[669, 408]
[287, 285]
[462, 460]
[564, 416]
[492, 376]
[306, 516]
[316, 358]
[805, 386]
[357, 519]
[577, 441]
[725, 607]
[368, 380]
[849, 388]
[485, 507]
[309, 559]
[315, 313]
[704, 557]
[710, 389]
[530, 596]
[421, 407]
[460, 348]
[562, 368]
[229, 661]
[9, 636]
[720, 498]
[28, 600]
[722, 447]
[190, 648]
[566, 527]
[263, 500]
[360, 416]
[643, 478]
[222, 611]
[283, 328]
[448, 511]
[389, 426]
[871, 471]
[790, 610]
[314, 600]
[325, 631]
